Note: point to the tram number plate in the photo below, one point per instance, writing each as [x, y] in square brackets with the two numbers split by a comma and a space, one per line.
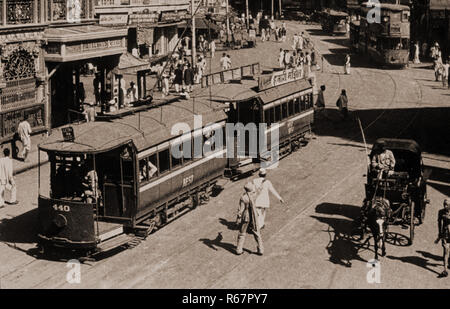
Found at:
[290, 127]
[65, 208]
[188, 180]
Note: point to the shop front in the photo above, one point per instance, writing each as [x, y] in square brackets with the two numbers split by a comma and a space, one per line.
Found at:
[68, 50]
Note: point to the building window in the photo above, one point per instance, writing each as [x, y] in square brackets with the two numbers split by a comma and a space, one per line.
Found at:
[20, 65]
[20, 12]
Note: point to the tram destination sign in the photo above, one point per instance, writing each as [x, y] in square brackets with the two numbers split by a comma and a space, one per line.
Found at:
[278, 78]
[68, 134]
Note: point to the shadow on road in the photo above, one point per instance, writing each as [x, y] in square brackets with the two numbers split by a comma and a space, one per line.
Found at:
[231, 225]
[20, 229]
[416, 260]
[428, 126]
[342, 247]
[217, 243]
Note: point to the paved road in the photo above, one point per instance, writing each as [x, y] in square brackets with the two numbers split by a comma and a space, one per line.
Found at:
[323, 185]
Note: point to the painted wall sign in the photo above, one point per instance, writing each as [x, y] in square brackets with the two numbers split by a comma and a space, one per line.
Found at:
[113, 19]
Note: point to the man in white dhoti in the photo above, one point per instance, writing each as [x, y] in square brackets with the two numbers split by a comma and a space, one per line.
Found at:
[262, 202]
[6, 179]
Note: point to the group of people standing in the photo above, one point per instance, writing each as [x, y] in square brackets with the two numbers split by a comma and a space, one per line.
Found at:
[270, 28]
[441, 68]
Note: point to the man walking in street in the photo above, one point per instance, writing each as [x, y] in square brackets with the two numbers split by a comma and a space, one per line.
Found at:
[262, 203]
[247, 220]
[224, 61]
[444, 233]
[342, 104]
[24, 131]
[347, 64]
[6, 179]
[320, 103]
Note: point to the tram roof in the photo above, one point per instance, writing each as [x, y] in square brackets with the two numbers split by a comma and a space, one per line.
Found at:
[102, 136]
[284, 90]
[397, 143]
[231, 92]
[335, 13]
[387, 6]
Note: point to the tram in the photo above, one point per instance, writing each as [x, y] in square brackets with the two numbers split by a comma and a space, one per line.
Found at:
[109, 180]
[386, 42]
[334, 22]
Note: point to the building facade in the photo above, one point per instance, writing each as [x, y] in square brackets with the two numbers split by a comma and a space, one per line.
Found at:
[152, 25]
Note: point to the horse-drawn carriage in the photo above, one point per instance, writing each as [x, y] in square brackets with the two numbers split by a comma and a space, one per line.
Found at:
[396, 195]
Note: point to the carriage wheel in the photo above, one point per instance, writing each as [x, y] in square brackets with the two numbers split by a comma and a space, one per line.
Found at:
[411, 223]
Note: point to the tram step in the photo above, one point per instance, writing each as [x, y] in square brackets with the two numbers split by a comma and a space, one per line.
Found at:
[114, 242]
[111, 233]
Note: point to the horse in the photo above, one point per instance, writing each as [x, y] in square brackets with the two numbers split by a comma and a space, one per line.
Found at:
[377, 212]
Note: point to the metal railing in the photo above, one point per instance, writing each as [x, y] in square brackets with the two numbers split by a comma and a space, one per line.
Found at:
[230, 74]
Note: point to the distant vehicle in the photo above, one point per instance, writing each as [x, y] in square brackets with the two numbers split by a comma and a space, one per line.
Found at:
[386, 42]
[334, 22]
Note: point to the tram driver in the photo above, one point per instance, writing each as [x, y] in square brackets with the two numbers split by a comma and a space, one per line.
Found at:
[384, 161]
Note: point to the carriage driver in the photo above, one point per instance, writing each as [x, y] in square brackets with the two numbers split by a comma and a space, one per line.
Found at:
[444, 232]
[383, 161]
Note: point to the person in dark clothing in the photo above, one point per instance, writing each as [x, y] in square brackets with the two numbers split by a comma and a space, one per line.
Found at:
[188, 77]
[178, 80]
[342, 103]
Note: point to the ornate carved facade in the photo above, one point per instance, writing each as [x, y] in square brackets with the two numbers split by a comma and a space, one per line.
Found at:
[21, 76]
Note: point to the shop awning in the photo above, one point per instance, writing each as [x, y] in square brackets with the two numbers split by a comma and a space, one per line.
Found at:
[129, 64]
[201, 24]
[83, 42]
[439, 4]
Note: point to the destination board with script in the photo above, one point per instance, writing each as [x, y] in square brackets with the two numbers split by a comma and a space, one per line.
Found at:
[279, 78]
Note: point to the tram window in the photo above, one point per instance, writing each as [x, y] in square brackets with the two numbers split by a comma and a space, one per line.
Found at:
[272, 115]
[187, 155]
[143, 170]
[303, 103]
[405, 17]
[267, 118]
[164, 161]
[297, 105]
[209, 144]
[176, 161]
[284, 110]
[152, 165]
[291, 107]
[277, 113]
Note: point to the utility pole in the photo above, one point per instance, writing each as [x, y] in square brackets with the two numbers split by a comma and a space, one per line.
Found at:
[246, 13]
[193, 49]
[228, 22]
[279, 6]
[271, 11]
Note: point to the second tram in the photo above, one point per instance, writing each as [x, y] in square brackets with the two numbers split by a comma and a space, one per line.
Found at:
[387, 40]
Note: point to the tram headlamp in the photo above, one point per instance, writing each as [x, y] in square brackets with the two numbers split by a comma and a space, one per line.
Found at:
[386, 19]
[60, 221]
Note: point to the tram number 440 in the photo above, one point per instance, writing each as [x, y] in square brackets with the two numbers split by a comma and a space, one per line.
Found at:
[65, 208]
